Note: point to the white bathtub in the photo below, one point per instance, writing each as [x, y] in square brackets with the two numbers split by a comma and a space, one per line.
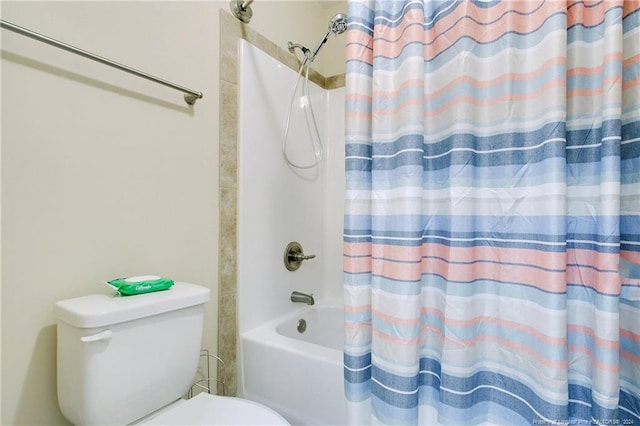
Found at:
[297, 374]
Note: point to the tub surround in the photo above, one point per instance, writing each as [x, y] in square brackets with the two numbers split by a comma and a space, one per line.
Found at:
[231, 31]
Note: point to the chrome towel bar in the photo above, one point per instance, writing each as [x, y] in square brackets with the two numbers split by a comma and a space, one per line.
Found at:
[190, 96]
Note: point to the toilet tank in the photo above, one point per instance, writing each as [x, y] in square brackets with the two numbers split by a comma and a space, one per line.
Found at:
[123, 357]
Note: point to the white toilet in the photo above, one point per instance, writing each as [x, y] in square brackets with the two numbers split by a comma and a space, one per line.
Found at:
[130, 359]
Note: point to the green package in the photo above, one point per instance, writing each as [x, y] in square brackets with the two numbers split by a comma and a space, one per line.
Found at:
[139, 285]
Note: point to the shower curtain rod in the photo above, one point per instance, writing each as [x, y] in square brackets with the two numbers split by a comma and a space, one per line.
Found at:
[190, 96]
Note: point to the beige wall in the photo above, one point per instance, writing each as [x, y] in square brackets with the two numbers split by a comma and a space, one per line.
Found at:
[105, 174]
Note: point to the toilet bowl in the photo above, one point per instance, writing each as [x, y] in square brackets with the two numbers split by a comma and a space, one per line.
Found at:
[205, 409]
[130, 359]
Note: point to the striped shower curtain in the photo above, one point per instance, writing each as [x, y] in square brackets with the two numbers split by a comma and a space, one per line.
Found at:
[492, 224]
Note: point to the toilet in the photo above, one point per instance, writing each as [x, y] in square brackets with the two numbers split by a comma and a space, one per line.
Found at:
[131, 359]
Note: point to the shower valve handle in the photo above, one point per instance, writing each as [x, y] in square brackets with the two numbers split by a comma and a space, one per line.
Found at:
[294, 255]
[302, 256]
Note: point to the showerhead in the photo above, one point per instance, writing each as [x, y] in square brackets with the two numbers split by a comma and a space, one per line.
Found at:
[337, 25]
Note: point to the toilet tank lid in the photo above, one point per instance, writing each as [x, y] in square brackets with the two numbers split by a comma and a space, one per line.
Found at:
[99, 310]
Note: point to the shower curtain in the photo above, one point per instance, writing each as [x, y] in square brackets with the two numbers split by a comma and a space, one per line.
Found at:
[492, 222]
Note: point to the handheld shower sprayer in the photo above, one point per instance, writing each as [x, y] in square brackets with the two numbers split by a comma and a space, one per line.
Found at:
[337, 25]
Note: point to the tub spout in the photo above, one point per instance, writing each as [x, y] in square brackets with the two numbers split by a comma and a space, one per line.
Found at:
[298, 297]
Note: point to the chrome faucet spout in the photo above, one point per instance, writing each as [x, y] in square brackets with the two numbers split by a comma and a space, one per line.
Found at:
[298, 297]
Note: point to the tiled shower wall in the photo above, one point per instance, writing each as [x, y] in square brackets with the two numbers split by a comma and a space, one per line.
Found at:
[232, 30]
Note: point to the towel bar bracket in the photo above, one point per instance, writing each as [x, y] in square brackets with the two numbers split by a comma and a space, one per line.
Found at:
[192, 98]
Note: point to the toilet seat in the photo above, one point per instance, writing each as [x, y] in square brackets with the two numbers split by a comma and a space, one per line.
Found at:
[206, 409]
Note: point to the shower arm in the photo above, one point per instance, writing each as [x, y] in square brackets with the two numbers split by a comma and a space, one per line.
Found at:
[305, 52]
[242, 10]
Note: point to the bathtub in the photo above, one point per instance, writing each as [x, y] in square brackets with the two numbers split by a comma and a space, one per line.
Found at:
[297, 374]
